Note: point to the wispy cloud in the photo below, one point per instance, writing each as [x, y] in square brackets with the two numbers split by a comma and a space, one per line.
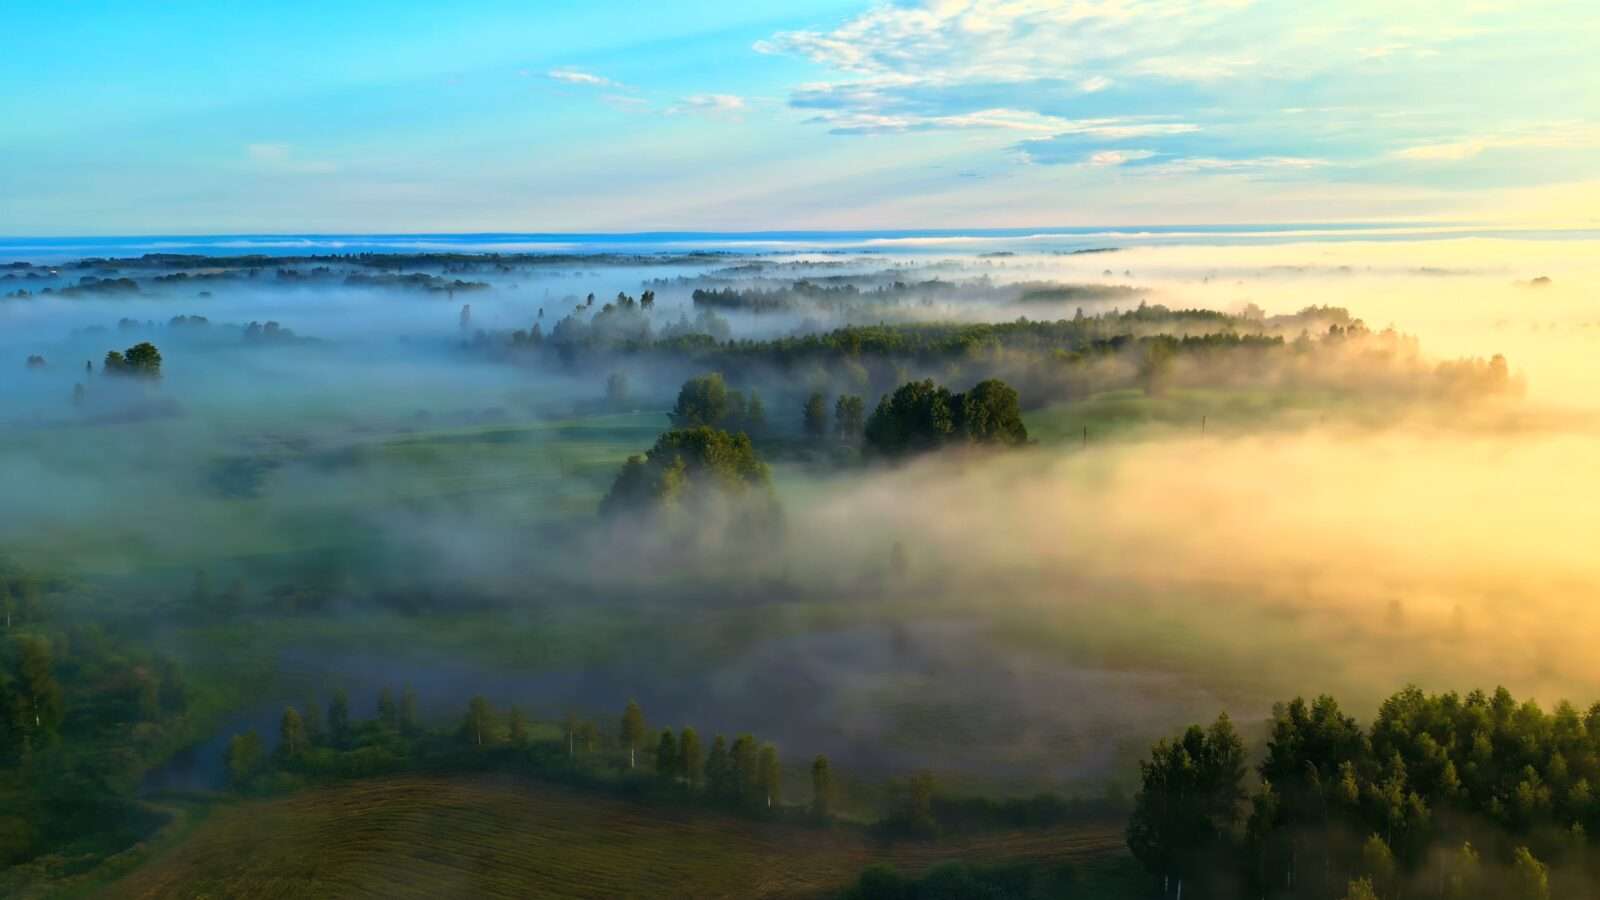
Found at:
[718, 105]
[1561, 135]
[280, 158]
[579, 77]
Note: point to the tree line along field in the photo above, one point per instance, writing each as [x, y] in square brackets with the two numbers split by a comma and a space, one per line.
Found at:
[420, 836]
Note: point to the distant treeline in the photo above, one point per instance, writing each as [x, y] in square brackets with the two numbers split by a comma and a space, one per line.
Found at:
[1150, 347]
[1442, 796]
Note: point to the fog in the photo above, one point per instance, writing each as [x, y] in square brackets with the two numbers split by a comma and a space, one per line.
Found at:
[1085, 593]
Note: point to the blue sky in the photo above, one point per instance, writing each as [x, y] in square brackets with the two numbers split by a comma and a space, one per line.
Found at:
[184, 117]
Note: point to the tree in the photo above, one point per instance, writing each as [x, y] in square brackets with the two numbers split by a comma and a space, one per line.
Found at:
[570, 725]
[702, 401]
[667, 762]
[1360, 889]
[388, 712]
[517, 727]
[769, 776]
[815, 415]
[633, 731]
[244, 757]
[745, 757]
[1378, 862]
[1463, 874]
[143, 360]
[291, 733]
[991, 413]
[821, 788]
[691, 761]
[849, 414]
[1189, 800]
[339, 718]
[1530, 878]
[755, 415]
[37, 689]
[687, 468]
[616, 390]
[479, 721]
[915, 418]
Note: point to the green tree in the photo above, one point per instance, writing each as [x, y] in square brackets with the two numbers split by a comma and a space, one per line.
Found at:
[244, 758]
[339, 718]
[755, 415]
[1530, 878]
[691, 758]
[1360, 889]
[143, 359]
[1189, 801]
[1463, 874]
[991, 413]
[632, 731]
[917, 417]
[570, 726]
[667, 763]
[821, 788]
[687, 468]
[291, 733]
[37, 689]
[745, 757]
[849, 416]
[702, 402]
[815, 415]
[517, 727]
[1377, 861]
[769, 777]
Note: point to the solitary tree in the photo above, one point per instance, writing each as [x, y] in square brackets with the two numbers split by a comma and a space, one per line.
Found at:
[633, 731]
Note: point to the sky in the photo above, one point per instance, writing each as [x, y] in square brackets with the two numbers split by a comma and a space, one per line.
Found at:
[297, 117]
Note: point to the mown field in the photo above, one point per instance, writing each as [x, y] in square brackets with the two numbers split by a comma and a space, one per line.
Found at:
[492, 837]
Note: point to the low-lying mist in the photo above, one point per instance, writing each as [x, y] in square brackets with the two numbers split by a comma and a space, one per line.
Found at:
[384, 474]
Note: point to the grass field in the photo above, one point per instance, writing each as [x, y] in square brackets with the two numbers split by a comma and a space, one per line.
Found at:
[489, 837]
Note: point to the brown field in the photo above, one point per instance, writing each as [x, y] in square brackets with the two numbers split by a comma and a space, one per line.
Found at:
[488, 837]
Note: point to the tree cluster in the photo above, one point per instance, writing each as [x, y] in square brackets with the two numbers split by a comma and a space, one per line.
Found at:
[1443, 796]
[921, 416]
